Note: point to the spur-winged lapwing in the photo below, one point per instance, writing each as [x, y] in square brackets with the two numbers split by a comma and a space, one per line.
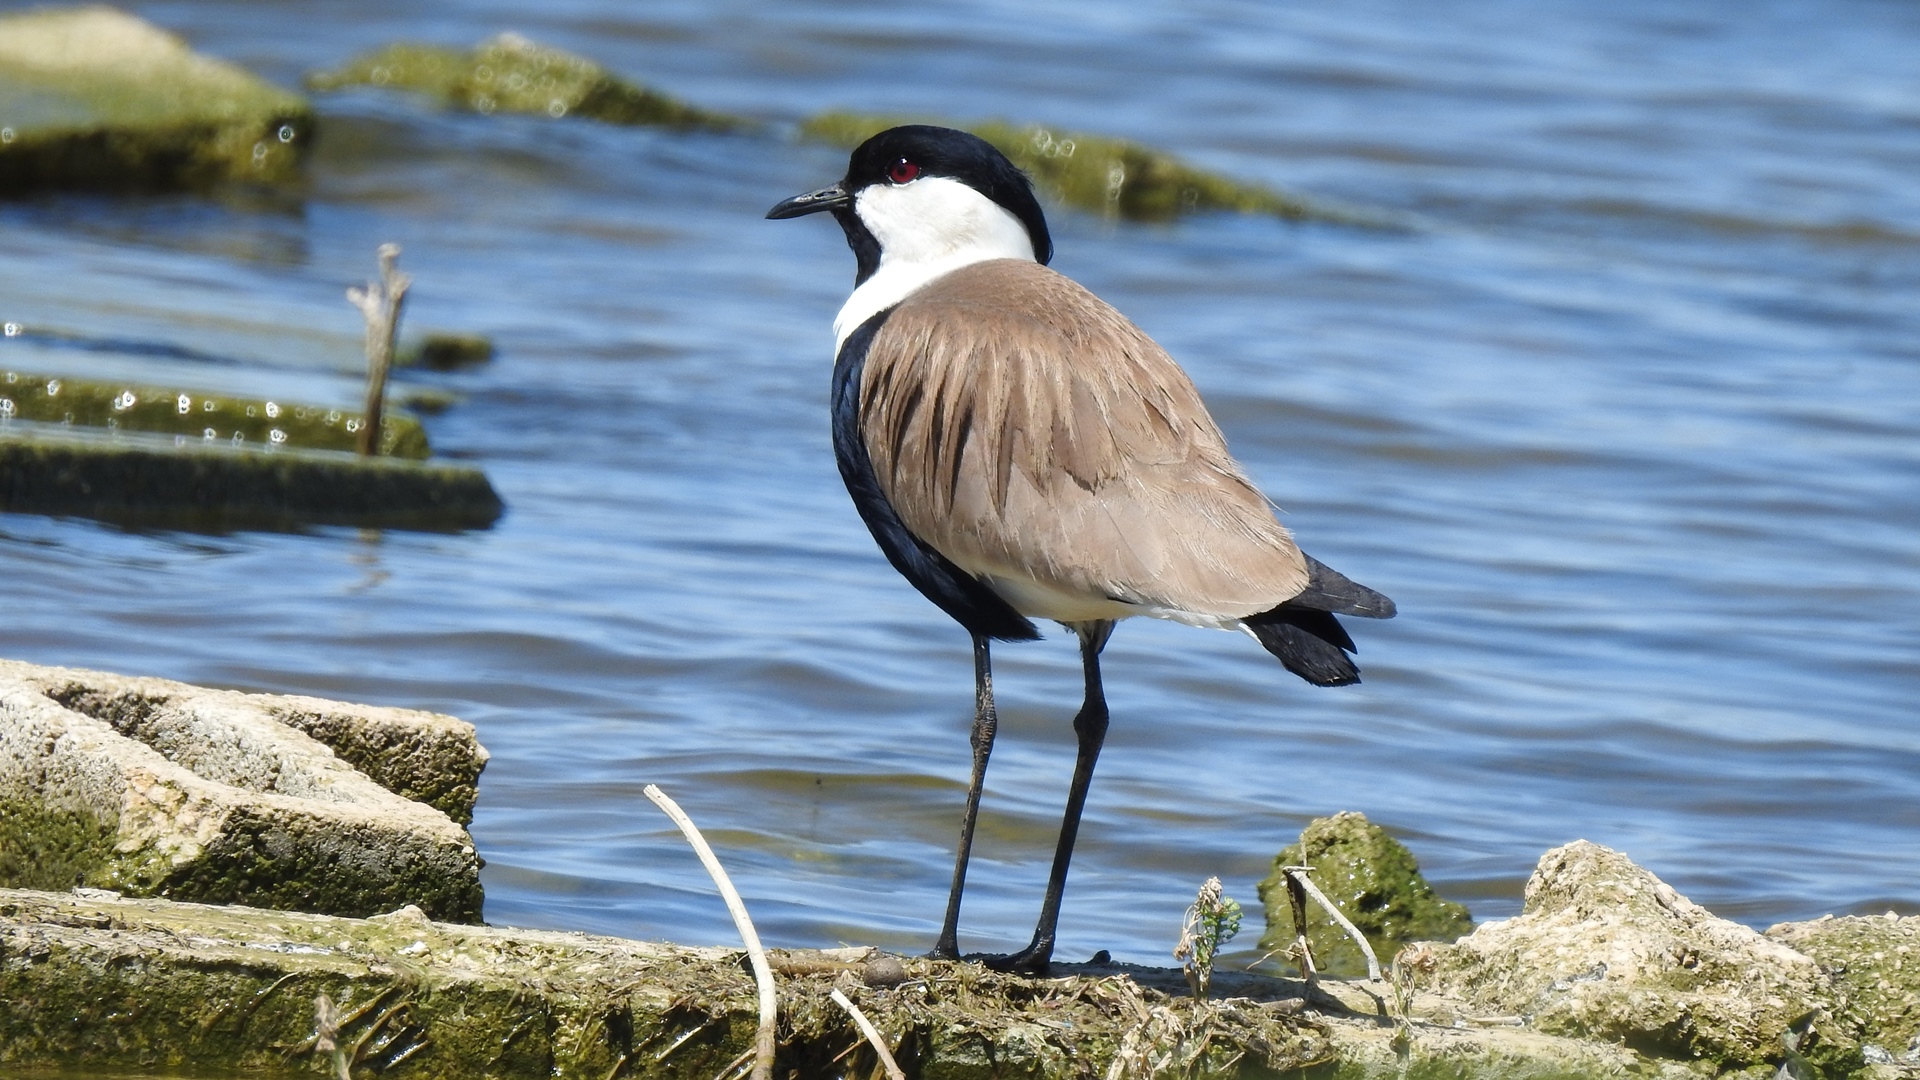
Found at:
[1021, 451]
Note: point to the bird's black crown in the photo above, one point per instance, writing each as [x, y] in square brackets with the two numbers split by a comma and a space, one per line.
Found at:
[958, 155]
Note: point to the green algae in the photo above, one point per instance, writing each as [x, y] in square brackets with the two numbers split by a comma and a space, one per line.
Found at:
[1114, 177]
[508, 73]
[197, 414]
[1375, 882]
[93, 98]
[45, 847]
[148, 481]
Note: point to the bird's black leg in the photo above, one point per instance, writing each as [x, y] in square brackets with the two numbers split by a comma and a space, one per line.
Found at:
[1090, 726]
[985, 721]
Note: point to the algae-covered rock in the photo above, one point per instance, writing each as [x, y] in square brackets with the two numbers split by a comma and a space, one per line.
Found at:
[1874, 962]
[120, 983]
[93, 980]
[511, 74]
[443, 351]
[156, 788]
[1604, 949]
[1108, 176]
[1375, 882]
[197, 414]
[94, 98]
[138, 479]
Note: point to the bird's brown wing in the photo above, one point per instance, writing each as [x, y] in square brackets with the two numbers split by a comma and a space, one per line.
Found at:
[1026, 430]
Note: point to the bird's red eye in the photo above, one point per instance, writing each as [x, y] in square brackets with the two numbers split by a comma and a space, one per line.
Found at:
[903, 171]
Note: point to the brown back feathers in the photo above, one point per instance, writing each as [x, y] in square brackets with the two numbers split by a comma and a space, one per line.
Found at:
[1027, 430]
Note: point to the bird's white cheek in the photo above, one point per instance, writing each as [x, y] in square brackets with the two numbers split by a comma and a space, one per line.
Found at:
[935, 218]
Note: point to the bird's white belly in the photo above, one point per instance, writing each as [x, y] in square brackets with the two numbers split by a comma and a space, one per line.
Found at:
[1037, 600]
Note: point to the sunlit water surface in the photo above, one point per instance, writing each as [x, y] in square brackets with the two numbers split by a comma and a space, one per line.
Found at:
[1627, 420]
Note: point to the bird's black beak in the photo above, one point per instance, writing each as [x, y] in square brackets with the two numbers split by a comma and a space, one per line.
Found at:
[827, 198]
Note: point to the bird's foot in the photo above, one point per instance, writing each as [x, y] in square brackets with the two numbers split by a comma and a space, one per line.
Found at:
[1032, 960]
[943, 951]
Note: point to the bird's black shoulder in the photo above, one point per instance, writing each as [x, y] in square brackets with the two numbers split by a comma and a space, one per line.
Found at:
[961, 595]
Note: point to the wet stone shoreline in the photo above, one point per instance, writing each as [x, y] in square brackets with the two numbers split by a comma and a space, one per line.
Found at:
[281, 809]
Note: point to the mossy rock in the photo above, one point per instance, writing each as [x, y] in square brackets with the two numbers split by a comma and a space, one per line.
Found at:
[144, 480]
[445, 351]
[164, 789]
[508, 73]
[198, 415]
[1603, 949]
[1874, 962]
[96, 99]
[1375, 882]
[106, 982]
[1108, 176]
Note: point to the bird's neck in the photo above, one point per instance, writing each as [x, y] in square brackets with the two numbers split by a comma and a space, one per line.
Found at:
[920, 232]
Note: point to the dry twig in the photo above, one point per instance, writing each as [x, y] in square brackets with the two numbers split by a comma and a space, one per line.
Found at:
[872, 1033]
[379, 304]
[762, 974]
[1298, 874]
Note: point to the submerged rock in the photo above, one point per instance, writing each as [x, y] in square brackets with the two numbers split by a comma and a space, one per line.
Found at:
[93, 98]
[1375, 882]
[156, 788]
[508, 73]
[444, 351]
[163, 456]
[1108, 176]
[137, 479]
[1604, 949]
[198, 415]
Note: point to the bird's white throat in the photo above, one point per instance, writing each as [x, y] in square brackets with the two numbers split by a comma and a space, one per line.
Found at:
[926, 229]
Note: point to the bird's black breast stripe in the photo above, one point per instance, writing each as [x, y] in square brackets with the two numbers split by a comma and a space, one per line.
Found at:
[957, 592]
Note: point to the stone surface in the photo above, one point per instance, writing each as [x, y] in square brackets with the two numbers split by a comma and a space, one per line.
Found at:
[1375, 882]
[157, 788]
[94, 98]
[200, 415]
[511, 74]
[1874, 962]
[444, 351]
[140, 479]
[96, 981]
[1108, 176]
[1604, 949]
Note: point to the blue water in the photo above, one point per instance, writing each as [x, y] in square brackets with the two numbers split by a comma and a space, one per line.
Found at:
[1626, 418]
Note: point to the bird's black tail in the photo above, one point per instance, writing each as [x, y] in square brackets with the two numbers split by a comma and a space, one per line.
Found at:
[1306, 637]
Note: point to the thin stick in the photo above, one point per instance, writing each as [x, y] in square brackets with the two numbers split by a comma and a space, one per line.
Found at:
[379, 304]
[1299, 873]
[872, 1033]
[681, 1041]
[1297, 900]
[762, 974]
[733, 1067]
